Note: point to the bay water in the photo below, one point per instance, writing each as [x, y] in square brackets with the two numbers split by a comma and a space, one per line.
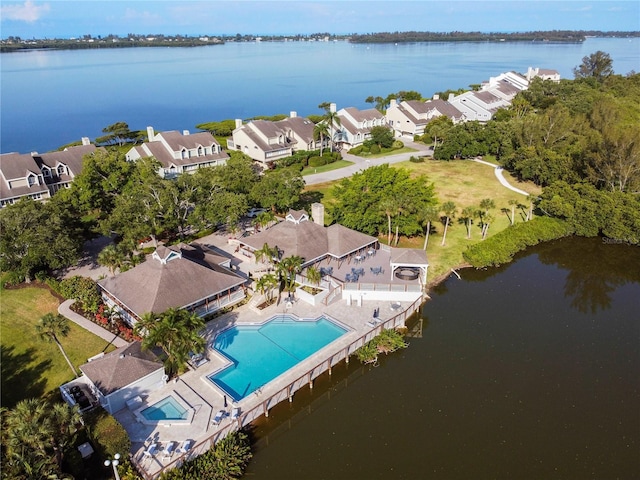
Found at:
[527, 371]
[51, 98]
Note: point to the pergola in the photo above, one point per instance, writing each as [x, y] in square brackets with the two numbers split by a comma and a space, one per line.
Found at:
[409, 258]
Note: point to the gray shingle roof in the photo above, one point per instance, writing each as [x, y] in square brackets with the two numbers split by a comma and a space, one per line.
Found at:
[310, 240]
[121, 367]
[71, 157]
[154, 286]
[409, 256]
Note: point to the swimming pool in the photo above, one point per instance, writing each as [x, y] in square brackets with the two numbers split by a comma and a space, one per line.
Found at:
[167, 409]
[259, 353]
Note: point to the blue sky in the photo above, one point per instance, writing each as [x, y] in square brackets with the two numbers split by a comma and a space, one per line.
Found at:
[71, 18]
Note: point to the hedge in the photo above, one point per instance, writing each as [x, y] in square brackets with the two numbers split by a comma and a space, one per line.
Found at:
[504, 245]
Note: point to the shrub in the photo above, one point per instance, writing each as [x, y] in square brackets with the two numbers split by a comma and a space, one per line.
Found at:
[84, 290]
[226, 461]
[504, 245]
[375, 149]
[397, 144]
[317, 161]
[12, 278]
[416, 159]
[386, 342]
[106, 435]
[357, 150]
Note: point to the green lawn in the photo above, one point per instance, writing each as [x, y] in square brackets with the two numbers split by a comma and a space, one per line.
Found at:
[326, 168]
[465, 183]
[387, 152]
[30, 366]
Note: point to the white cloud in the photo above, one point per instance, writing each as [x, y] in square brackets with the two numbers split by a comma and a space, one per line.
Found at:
[27, 12]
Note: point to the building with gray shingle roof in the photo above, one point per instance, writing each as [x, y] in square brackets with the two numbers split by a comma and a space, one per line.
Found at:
[266, 141]
[40, 175]
[312, 241]
[184, 276]
[121, 375]
[180, 152]
[355, 125]
[411, 117]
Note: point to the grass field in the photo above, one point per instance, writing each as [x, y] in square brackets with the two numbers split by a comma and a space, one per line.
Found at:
[465, 183]
[33, 368]
[326, 168]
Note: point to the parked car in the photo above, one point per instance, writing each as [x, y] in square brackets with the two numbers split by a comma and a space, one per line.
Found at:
[254, 212]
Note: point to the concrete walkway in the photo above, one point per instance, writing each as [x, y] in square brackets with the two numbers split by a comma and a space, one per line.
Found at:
[497, 170]
[65, 310]
[360, 163]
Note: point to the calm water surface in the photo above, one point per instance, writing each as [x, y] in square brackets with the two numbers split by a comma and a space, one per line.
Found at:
[529, 371]
[51, 98]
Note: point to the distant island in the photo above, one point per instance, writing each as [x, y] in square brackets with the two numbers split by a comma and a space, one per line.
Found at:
[12, 44]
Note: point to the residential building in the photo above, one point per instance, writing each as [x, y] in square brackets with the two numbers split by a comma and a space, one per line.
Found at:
[190, 277]
[38, 176]
[266, 141]
[543, 73]
[355, 125]
[180, 152]
[410, 117]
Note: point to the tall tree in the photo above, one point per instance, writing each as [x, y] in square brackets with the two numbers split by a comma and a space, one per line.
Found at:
[598, 65]
[332, 119]
[36, 236]
[278, 190]
[486, 218]
[320, 131]
[50, 327]
[111, 257]
[289, 267]
[176, 331]
[266, 284]
[428, 215]
[466, 216]
[449, 210]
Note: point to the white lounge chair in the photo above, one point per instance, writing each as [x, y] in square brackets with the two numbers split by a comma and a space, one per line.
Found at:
[218, 418]
[235, 413]
[151, 450]
[185, 446]
[168, 450]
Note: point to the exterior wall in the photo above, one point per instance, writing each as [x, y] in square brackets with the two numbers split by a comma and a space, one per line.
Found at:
[471, 109]
[118, 400]
[243, 143]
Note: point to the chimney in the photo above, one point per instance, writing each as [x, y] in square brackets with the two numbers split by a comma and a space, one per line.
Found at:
[238, 123]
[451, 97]
[150, 134]
[392, 103]
[317, 213]
[86, 141]
[332, 108]
[185, 132]
[293, 114]
[436, 97]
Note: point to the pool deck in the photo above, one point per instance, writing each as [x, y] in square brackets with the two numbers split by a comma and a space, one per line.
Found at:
[206, 399]
[194, 388]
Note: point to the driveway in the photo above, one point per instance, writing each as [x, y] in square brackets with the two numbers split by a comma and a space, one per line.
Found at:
[360, 163]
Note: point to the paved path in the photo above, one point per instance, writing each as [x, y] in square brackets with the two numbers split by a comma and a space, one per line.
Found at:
[498, 172]
[65, 310]
[360, 163]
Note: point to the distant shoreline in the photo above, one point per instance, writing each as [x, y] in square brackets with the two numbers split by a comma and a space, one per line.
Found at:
[87, 42]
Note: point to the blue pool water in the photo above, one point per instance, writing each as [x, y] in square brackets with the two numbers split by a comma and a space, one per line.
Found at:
[166, 409]
[260, 353]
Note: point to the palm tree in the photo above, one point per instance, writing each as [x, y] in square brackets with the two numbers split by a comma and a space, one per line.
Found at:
[176, 331]
[449, 209]
[389, 206]
[467, 216]
[513, 204]
[332, 119]
[289, 267]
[50, 327]
[320, 131]
[266, 284]
[428, 215]
[314, 275]
[111, 257]
[64, 423]
[263, 219]
[265, 253]
[27, 440]
[486, 204]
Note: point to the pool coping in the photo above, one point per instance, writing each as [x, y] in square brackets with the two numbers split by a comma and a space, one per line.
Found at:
[227, 362]
[176, 397]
